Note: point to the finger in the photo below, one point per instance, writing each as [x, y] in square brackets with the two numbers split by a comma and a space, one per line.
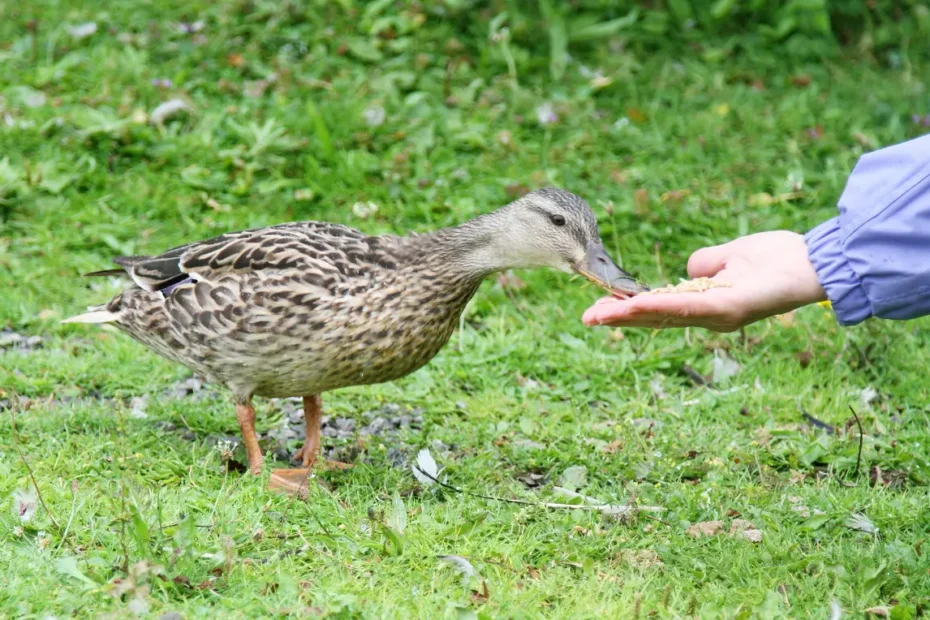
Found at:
[675, 310]
[676, 323]
[603, 310]
[707, 262]
[695, 304]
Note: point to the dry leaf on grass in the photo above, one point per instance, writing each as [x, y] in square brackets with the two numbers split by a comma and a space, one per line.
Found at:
[861, 523]
[891, 478]
[639, 558]
[745, 529]
[738, 527]
[753, 536]
[675, 195]
[705, 528]
[574, 477]
[803, 511]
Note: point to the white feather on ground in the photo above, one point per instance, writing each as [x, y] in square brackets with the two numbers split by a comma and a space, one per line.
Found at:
[425, 465]
[461, 564]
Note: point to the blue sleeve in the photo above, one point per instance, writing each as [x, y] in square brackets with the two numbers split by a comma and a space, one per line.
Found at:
[874, 258]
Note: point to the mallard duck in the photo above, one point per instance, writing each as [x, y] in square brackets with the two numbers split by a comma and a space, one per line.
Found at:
[303, 308]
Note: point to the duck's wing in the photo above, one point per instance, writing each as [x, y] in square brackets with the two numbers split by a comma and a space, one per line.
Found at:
[332, 249]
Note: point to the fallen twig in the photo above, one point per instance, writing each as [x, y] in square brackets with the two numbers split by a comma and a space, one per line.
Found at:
[29, 469]
[696, 377]
[815, 422]
[608, 509]
[859, 455]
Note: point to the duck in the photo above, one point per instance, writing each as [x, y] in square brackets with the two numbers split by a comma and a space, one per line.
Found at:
[303, 308]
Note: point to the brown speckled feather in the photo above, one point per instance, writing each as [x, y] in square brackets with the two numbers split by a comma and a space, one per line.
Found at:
[295, 309]
[292, 245]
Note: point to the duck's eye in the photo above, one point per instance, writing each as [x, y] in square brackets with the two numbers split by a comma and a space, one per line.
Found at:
[557, 219]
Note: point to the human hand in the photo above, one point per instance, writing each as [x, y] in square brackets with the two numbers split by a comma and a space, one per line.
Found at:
[766, 273]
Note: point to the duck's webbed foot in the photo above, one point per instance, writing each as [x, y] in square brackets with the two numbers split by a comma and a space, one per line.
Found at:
[295, 481]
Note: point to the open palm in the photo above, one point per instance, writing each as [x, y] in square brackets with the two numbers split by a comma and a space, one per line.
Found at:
[765, 273]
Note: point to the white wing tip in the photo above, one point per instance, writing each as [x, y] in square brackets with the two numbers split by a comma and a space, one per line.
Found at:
[95, 316]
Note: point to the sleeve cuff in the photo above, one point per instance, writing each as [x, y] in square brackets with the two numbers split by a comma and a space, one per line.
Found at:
[842, 285]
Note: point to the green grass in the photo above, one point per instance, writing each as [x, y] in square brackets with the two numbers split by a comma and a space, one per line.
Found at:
[83, 177]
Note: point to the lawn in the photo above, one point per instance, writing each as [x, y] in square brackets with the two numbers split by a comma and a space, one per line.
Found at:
[407, 117]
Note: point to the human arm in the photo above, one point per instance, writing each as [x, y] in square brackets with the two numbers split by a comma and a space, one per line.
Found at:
[871, 260]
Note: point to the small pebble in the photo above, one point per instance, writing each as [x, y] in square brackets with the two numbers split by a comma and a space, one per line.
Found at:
[13, 340]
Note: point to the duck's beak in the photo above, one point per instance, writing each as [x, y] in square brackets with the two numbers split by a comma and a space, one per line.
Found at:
[599, 268]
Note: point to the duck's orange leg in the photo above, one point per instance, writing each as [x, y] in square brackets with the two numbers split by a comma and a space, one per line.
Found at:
[313, 414]
[245, 414]
[308, 454]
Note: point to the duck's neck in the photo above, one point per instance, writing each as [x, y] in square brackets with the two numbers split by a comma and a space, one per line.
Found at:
[475, 249]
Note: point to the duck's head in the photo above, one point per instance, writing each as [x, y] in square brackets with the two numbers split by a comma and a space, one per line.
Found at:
[557, 229]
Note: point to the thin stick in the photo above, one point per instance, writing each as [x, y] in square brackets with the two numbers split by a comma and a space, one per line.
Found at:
[29, 469]
[177, 523]
[814, 421]
[64, 535]
[696, 377]
[859, 455]
[604, 508]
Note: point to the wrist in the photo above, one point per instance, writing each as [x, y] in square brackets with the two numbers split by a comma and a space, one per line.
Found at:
[812, 291]
[836, 277]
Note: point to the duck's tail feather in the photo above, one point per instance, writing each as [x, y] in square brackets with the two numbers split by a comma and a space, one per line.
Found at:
[105, 272]
[94, 314]
[126, 263]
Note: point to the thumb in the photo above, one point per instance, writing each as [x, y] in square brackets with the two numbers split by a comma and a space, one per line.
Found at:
[707, 262]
